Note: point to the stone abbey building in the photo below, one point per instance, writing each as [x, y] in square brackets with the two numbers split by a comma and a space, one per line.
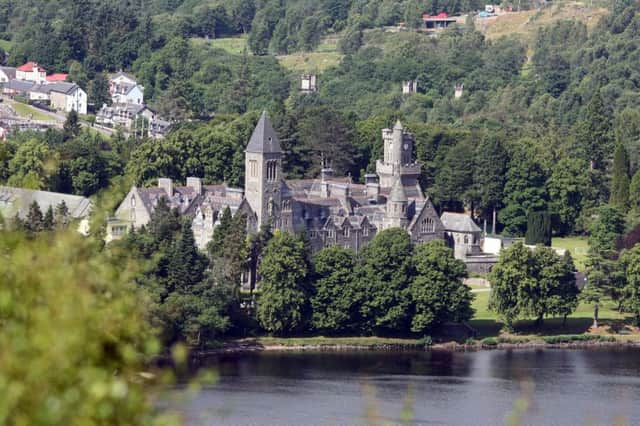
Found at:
[331, 210]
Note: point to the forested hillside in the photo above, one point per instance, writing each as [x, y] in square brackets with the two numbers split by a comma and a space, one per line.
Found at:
[534, 130]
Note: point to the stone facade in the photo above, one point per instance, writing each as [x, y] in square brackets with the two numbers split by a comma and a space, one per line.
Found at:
[330, 210]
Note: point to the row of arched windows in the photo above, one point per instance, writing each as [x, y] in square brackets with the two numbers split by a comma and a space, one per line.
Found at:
[272, 170]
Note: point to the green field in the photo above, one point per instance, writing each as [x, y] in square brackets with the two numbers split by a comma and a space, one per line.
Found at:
[578, 246]
[233, 45]
[27, 111]
[580, 321]
[310, 62]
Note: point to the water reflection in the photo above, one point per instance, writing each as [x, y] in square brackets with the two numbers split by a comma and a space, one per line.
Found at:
[560, 387]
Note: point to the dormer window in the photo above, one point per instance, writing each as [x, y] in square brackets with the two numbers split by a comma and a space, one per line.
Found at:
[345, 231]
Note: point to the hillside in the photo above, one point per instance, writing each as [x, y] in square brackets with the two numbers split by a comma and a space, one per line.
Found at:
[525, 24]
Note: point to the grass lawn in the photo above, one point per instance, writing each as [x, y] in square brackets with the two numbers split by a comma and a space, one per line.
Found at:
[5, 45]
[233, 45]
[310, 62]
[25, 111]
[579, 322]
[321, 340]
[578, 246]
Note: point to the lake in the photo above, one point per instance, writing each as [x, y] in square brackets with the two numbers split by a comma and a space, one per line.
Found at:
[535, 387]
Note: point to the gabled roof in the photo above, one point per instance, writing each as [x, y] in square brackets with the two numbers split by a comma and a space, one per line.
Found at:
[264, 138]
[122, 74]
[19, 85]
[29, 66]
[65, 88]
[10, 72]
[459, 222]
[397, 193]
[17, 201]
[57, 77]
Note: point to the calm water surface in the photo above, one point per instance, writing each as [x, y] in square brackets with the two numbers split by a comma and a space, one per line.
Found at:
[559, 387]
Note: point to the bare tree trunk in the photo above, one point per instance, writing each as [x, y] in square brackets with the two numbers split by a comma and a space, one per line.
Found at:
[595, 315]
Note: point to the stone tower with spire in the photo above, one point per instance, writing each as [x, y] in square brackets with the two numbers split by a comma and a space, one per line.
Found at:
[398, 158]
[396, 209]
[263, 172]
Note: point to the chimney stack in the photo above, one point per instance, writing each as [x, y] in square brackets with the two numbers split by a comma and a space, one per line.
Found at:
[167, 185]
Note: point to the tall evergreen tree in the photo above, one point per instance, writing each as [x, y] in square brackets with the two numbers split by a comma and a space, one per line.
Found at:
[34, 222]
[634, 191]
[593, 134]
[603, 273]
[48, 223]
[186, 265]
[619, 196]
[489, 175]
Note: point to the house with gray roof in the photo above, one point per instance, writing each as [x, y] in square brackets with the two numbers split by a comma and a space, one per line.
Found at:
[16, 202]
[7, 74]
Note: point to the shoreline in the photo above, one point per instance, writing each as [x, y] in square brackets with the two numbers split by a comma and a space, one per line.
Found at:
[452, 346]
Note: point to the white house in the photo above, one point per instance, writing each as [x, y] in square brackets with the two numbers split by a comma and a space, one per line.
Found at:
[128, 94]
[67, 97]
[124, 89]
[31, 71]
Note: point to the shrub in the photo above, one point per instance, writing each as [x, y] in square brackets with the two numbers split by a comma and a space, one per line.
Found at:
[426, 341]
[489, 341]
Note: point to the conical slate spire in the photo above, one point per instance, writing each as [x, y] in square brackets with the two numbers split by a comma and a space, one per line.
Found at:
[398, 194]
[264, 138]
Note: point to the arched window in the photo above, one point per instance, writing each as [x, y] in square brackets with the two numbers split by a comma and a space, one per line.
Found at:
[427, 225]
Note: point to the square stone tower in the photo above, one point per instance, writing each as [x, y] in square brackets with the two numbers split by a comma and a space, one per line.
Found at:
[263, 172]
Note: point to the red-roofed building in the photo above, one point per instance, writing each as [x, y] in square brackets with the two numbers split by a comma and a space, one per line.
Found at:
[57, 78]
[439, 21]
[31, 71]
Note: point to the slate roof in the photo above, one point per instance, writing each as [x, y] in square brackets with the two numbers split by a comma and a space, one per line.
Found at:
[65, 88]
[17, 200]
[19, 85]
[10, 72]
[459, 222]
[397, 193]
[264, 138]
[123, 74]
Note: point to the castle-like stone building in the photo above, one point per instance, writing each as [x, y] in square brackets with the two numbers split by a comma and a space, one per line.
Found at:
[331, 210]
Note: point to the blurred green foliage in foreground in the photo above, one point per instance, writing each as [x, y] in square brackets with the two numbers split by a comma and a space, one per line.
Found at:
[73, 336]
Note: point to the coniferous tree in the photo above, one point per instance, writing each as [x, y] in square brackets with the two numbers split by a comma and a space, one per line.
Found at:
[489, 175]
[593, 133]
[538, 229]
[48, 222]
[62, 214]
[71, 127]
[215, 246]
[34, 222]
[603, 274]
[634, 191]
[619, 196]
[186, 265]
